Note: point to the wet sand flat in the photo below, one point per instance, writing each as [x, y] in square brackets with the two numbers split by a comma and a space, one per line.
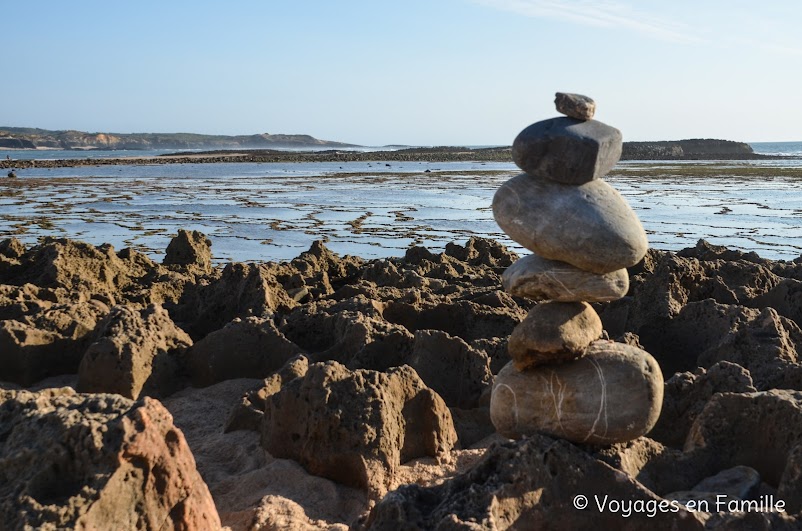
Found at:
[270, 211]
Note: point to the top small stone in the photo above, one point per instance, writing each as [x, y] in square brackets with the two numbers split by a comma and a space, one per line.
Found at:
[575, 105]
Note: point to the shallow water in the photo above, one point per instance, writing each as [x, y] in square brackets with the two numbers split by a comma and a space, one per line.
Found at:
[273, 211]
[53, 154]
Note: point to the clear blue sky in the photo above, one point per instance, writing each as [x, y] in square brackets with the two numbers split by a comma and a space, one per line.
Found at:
[413, 71]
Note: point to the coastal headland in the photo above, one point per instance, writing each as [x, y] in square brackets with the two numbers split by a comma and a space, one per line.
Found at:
[34, 138]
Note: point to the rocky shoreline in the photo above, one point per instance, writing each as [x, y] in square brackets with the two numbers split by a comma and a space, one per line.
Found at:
[679, 150]
[329, 392]
[34, 138]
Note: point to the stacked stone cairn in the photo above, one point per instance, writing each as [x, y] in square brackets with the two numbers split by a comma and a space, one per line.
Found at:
[563, 379]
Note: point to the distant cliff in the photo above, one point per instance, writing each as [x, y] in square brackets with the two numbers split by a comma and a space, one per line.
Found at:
[687, 150]
[29, 138]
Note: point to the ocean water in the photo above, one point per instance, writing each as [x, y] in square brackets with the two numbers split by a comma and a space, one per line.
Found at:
[274, 211]
[793, 149]
[767, 148]
[60, 154]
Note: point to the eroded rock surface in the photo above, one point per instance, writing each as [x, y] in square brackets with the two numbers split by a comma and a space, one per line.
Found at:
[244, 348]
[528, 484]
[724, 325]
[356, 427]
[190, 248]
[136, 353]
[80, 461]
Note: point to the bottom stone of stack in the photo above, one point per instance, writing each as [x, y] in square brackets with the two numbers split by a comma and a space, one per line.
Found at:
[612, 394]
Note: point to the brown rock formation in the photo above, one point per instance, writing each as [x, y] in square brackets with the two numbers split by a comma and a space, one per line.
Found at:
[529, 484]
[190, 249]
[456, 371]
[356, 427]
[725, 321]
[136, 353]
[44, 339]
[244, 348]
[96, 462]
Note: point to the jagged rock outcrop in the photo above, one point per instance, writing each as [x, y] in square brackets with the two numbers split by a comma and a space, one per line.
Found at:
[73, 461]
[78, 266]
[190, 249]
[352, 332]
[242, 290]
[687, 393]
[455, 370]
[697, 309]
[759, 429]
[356, 427]
[135, 353]
[530, 484]
[244, 348]
[11, 248]
[724, 321]
[249, 412]
[40, 339]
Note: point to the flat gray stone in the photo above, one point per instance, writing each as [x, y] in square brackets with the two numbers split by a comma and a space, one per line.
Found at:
[738, 482]
[554, 332]
[567, 150]
[612, 394]
[589, 226]
[538, 278]
[575, 105]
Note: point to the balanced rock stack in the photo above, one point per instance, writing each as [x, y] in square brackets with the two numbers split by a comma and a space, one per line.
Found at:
[563, 380]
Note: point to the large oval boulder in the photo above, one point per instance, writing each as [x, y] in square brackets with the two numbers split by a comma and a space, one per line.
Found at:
[612, 394]
[589, 226]
[538, 278]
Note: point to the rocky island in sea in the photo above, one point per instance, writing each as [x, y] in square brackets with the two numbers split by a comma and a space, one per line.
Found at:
[335, 392]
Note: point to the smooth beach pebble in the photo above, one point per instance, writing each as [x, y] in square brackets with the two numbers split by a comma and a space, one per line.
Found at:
[612, 394]
[538, 278]
[554, 332]
[567, 150]
[575, 105]
[589, 226]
